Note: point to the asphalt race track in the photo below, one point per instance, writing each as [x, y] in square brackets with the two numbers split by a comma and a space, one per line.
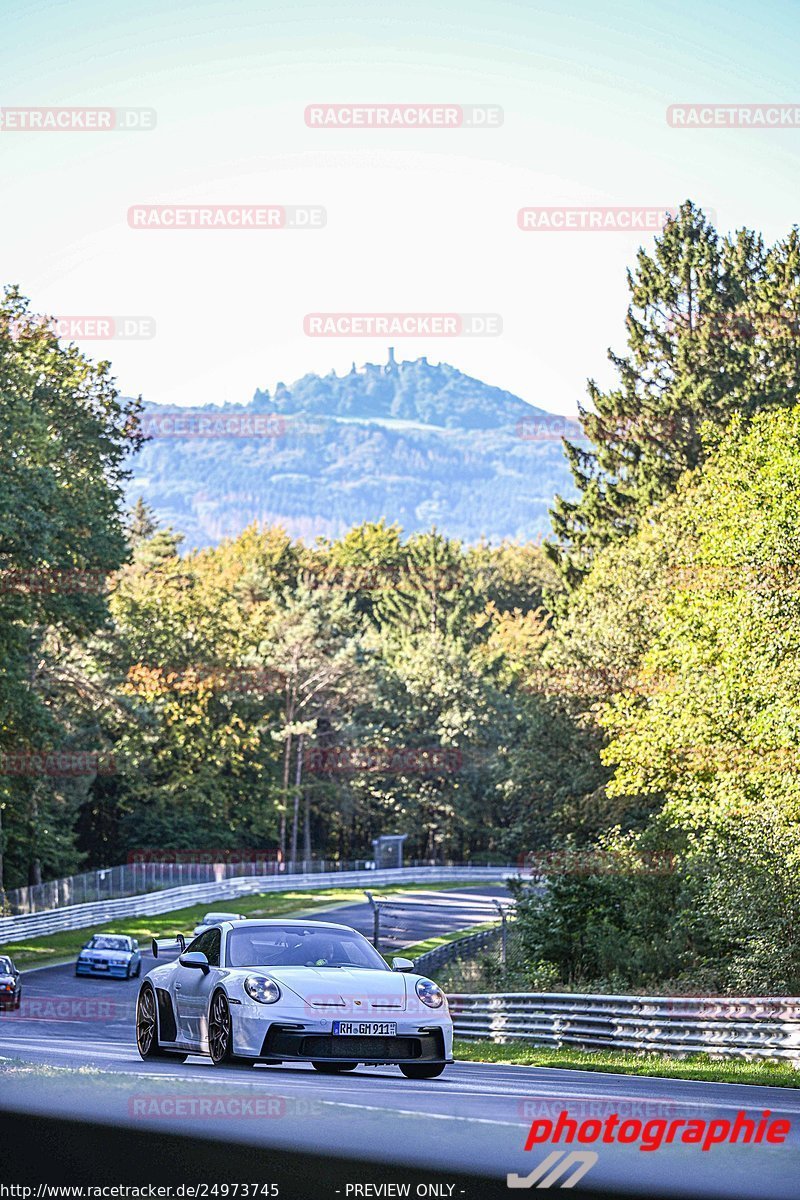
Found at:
[71, 1050]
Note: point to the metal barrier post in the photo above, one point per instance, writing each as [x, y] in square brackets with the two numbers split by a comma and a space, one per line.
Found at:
[503, 932]
[376, 920]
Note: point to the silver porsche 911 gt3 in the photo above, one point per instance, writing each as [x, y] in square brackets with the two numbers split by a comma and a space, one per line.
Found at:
[293, 991]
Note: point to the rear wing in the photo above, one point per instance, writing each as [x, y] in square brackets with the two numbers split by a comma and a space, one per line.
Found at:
[169, 944]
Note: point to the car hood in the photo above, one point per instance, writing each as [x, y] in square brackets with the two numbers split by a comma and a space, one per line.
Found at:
[5, 978]
[339, 988]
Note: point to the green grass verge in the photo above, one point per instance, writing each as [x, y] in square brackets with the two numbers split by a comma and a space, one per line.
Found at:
[622, 1062]
[444, 939]
[55, 947]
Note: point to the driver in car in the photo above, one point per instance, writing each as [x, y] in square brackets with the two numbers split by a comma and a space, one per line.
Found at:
[312, 952]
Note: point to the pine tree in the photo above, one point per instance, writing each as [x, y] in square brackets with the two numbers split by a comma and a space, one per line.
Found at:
[712, 329]
[142, 522]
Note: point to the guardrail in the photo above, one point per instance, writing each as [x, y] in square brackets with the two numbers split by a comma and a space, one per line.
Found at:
[465, 947]
[736, 1027]
[82, 916]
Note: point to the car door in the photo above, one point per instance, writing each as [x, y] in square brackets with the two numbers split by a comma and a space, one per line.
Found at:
[193, 989]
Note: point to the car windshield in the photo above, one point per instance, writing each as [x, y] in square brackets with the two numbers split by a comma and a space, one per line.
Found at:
[109, 943]
[5, 966]
[301, 946]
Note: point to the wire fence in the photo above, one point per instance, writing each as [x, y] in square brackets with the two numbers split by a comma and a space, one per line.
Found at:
[82, 916]
[138, 878]
[391, 926]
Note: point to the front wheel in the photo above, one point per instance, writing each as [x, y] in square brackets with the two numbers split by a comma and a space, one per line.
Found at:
[147, 1029]
[422, 1070]
[147, 1025]
[220, 1035]
[333, 1068]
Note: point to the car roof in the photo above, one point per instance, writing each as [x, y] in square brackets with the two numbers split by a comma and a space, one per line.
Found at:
[272, 923]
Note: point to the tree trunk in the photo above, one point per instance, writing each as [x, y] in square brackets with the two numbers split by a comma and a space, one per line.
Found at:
[307, 828]
[35, 864]
[289, 711]
[287, 754]
[296, 814]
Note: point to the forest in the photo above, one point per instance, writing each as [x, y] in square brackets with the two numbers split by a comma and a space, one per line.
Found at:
[623, 698]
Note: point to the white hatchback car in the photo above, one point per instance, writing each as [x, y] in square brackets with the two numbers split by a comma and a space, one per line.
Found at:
[293, 991]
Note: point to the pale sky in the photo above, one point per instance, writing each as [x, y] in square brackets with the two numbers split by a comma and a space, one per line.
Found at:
[417, 220]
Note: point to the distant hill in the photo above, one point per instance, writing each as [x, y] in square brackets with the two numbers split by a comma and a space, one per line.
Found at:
[416, 443]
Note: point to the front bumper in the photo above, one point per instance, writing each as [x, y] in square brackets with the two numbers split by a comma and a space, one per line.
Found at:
[115, 970]
[295, 1033]
[287, 1044]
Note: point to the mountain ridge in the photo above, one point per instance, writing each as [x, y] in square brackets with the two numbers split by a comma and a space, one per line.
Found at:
[411, 441]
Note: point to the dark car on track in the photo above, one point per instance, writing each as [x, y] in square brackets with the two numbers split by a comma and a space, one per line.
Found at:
[112, 954]
[10, 983]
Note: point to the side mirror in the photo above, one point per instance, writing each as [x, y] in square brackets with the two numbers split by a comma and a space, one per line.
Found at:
[402, 964]
[195, 959]
[135, 944]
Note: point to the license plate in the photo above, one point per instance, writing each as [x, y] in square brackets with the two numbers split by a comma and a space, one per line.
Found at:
[101, 966]
[365, 1028]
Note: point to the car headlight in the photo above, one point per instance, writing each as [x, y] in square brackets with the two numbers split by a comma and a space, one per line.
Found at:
[264, 990]
[430, 993]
